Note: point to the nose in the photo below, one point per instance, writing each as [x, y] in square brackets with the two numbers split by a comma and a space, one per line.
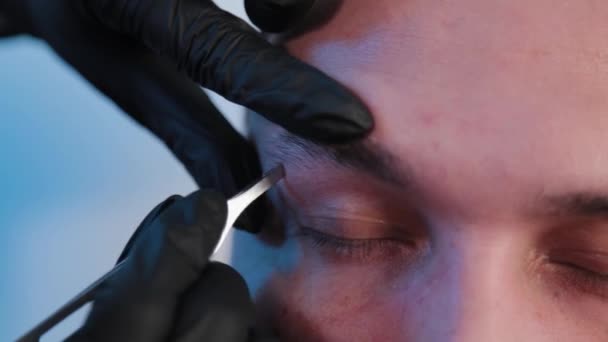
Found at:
[470, 289]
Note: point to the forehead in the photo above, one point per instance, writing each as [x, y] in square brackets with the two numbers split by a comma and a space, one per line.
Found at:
[480, 96]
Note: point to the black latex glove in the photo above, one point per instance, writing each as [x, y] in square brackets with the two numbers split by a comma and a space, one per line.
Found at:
[167, 290]
[278, 15]
[117, 45]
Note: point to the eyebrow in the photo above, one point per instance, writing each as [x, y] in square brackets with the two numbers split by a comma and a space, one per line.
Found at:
[578, 204]
[375, 161]
[360, 156]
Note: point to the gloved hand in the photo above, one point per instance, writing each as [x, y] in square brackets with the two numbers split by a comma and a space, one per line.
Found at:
[131, 51]
[166, 289]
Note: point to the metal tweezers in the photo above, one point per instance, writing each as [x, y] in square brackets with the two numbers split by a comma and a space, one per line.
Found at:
[236, 205]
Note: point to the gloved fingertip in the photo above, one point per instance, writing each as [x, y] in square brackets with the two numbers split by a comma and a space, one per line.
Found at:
[312, 105]
[147, 221]
[276, 15]
[252, 219]
[245, 223]
[335, 129]
[347, 122]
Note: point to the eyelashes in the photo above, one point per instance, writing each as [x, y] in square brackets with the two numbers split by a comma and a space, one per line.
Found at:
[569, 276]
[340, 249]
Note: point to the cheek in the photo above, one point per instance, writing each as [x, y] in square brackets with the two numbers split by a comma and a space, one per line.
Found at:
[316, 301]
[347, 303]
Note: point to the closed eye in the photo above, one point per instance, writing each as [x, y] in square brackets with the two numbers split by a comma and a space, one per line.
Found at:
[348, 250]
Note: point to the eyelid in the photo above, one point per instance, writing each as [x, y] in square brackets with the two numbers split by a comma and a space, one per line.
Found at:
[347, 250]
[572, 277]
[356, 227]
[593, 261]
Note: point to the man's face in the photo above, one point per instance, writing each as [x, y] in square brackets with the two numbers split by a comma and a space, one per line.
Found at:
[477, 210]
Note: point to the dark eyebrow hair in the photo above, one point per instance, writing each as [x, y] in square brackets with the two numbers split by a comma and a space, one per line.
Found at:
[376, 161]
[362, 156]
[578, 204]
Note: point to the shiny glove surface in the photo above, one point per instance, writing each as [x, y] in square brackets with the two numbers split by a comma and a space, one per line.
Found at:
[132, 51]
[166, 289]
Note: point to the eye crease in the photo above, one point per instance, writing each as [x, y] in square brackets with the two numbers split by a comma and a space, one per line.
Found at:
[357, 239]
[574, 272]
[340, 249]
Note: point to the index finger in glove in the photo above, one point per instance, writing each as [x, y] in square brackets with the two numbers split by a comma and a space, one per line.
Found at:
[223, 53]
[276, 15]
[290, 18]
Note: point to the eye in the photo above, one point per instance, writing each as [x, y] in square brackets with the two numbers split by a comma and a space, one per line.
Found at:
[347, 250]
[583, 272]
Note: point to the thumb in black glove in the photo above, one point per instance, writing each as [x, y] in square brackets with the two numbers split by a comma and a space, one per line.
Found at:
[166, 289]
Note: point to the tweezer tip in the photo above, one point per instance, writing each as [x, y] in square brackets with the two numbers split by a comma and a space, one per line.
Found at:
[275, 174]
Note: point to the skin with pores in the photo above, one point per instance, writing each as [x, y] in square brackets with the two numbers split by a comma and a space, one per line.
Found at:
[478, 211]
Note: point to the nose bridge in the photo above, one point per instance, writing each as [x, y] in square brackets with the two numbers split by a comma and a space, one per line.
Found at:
[477, 286]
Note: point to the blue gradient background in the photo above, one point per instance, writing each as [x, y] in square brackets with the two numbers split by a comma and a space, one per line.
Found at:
[76, 177]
